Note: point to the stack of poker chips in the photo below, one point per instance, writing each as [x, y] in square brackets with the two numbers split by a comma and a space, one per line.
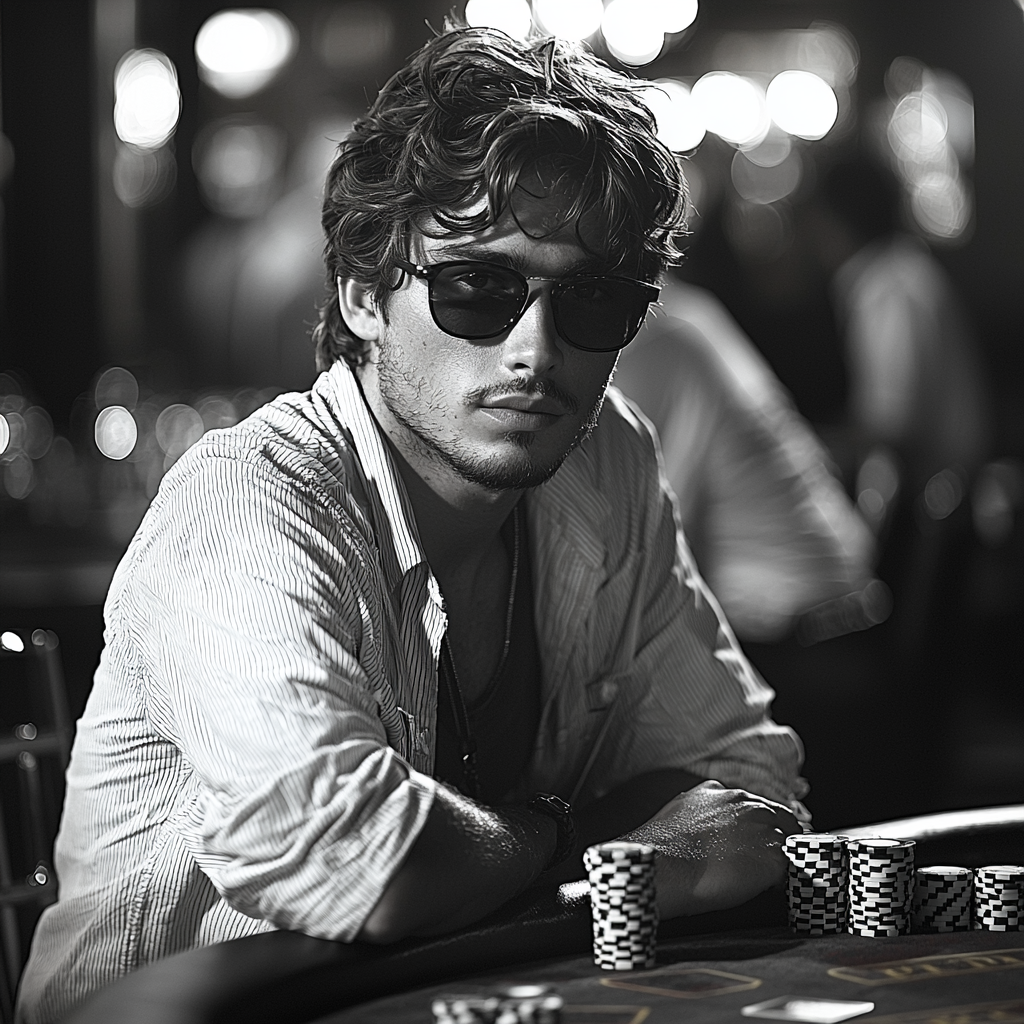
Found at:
[881, 887]
[518, 1004]
[622, 901]
[817, 884]
[999, 898]
[942, 899]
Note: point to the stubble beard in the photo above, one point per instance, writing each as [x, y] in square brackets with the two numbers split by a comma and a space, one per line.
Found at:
[513, 470]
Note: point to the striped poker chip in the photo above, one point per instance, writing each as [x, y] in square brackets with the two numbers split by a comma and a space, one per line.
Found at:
[623, 905]
[816, 888]
[881, 887]
[943, 897]
[999, 897]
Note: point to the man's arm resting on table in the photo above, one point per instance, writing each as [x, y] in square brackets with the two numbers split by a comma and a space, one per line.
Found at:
[466, 862]
[717, 848]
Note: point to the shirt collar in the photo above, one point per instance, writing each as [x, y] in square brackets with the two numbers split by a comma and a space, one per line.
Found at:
[386, 491]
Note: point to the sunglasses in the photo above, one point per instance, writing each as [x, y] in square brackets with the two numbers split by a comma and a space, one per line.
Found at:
[475, 300]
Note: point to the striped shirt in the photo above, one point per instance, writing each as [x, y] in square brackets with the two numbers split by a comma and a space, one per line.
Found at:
[257, 749]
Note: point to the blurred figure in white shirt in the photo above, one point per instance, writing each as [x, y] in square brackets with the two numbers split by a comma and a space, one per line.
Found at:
[916, 383]
[770, 526]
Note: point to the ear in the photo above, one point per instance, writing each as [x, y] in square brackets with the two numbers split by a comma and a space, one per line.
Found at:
[359, 309]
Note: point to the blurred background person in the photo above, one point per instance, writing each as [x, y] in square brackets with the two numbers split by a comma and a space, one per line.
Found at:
[915, 380]
[770, 526]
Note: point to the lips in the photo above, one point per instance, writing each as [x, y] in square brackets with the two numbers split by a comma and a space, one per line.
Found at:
[545, 405]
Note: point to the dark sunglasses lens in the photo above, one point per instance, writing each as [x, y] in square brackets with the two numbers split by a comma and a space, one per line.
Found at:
[599, 314]
[471, 300]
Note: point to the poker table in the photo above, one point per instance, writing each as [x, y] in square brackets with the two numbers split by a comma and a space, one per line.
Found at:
[708, 967]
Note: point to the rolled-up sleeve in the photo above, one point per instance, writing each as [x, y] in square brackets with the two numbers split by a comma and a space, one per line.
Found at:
[255, 637]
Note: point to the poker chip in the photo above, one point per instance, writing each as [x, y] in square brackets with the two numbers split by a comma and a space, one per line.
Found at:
[623, 906]
[816, 888]
[517, 1004]
[999, 898]
[881, 884]
[942, 899]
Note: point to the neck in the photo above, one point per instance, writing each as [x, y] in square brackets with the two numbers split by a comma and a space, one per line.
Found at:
[458, 521]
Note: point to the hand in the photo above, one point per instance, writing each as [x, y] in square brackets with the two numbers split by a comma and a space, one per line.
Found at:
[716, 848]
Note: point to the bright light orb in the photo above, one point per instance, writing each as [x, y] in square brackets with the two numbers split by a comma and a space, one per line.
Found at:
[569, 19]
[240, 51]
[5, 434]
[632, 32]
[732, 107]
[941, 205]
[512, 17]
[802, 104]
[147, 102]
[918, 126]
[12, 642]
[115, 432]
[680, 126]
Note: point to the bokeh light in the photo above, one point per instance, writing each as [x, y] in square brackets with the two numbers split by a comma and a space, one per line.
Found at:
[116, 386]
[217, 411]
[178, 427]
[237, 164]
[116, 432]
[631, 31]
[142, 177]
[38, 432]
[5, 433]
[241, 51]
[147, 102]
[569, 19]
[11, 642]
[941, 204]
[732, 107]
[802, 104]
[760, 184]
[917, 128]
[771, 150]
[510, 16]
[943, 494]
[680, 125]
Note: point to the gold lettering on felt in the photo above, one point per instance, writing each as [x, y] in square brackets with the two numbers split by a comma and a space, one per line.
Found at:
[919, 968]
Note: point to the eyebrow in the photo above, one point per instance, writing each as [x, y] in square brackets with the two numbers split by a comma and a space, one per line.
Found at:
[513, 260]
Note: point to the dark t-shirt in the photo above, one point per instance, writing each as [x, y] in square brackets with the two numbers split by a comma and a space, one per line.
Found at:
[504, 720]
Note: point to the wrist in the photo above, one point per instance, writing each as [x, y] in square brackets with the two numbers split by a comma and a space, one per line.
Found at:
[560, 812]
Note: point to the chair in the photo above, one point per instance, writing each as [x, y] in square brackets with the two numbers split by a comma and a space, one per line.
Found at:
[35, 741]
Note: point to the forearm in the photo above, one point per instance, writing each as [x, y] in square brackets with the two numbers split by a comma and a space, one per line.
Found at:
[625, 808]
[465, 863]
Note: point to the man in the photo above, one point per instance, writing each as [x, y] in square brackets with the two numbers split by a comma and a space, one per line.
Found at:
[917, 386]
[316, 644]
[770, 527]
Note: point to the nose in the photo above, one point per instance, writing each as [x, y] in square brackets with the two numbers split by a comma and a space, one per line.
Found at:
[532, 347]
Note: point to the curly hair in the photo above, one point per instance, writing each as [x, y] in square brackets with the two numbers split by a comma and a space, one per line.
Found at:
[458, 124]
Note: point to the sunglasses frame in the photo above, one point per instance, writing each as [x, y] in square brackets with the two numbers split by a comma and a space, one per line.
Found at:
[429, 273]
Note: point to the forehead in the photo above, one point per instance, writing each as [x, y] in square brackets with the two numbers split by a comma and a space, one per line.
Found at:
[541, 215]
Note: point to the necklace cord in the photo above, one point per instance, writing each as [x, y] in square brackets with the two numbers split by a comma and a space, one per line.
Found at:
[470, 774]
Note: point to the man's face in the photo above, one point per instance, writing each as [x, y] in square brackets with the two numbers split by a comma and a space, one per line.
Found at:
[504, 412]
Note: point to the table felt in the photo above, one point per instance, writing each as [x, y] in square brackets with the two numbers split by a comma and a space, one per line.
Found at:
[961, 978]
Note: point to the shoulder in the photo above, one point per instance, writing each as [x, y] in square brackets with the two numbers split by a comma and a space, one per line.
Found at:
[610, 484]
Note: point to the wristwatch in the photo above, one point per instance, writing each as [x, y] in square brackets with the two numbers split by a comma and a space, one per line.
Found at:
[560, 812]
